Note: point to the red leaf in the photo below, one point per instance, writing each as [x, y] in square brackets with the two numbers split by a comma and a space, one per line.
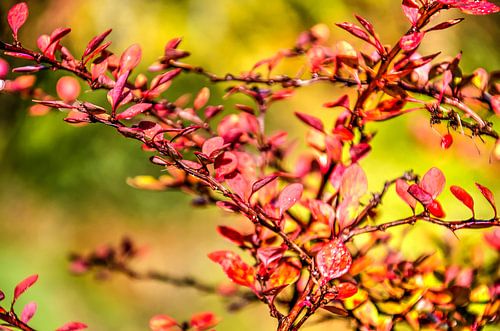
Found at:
[343, 101]
[72, 326]
[333, 260]
[2, 295]
[410, 9]
[411, 41]
[166, 77]
[57, 35]
[463, 196]
[433, 182]
[263, 182]
[289, 196]
[446, 141]
[23, 286]
[354, 183]
[17, 16]
[367, 25]
[445, 25]
[133, 111]
[312, 121]
[354, 30]
[270, 255]
[473, 7]
[28, 312]
[435, 209]
[346, 290]
[201, 98]
[488, 195]
[116, 93]
[212, 145]
[231, 234]
[239, 185]
[237, 270]
[358, 151]
[130, 58]
[68, 88]
[420, 194]
[203, 321]
[95, 42]
[402, 190]
[282, 276]
[225, 164]
[162, 323]
[493, 238]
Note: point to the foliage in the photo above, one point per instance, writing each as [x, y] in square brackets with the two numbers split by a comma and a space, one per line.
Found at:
[314, 224]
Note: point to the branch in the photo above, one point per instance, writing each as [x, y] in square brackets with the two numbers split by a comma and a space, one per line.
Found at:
[13, 321]
[377, 197]
[424, 216]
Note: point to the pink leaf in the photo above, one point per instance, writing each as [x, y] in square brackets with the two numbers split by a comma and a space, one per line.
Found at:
[411, 41]
[402, 190]
[433, 182]
[488, 195]
[231, 234]
[312, 121]
[201, 98]
[211, 145]
[239, 185]
[133, 111]
[24, 285]
[410, 9]
[203, 321]
[445, 25]
[343, 101]
[72, 326]
[354, 183]
[130, 58]
[95, 42]
[28, 312]
[354, 30]
[116, 93]
[225, 164]
[420, 194]
[333, 260]
[473, 7]
[263, 182]
[17, 16]
[463, 196]
[289, 196]
[162, 323]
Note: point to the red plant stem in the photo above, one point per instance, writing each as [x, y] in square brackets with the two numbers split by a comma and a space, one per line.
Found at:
[424, 216]
[386, 62]
[13, 321]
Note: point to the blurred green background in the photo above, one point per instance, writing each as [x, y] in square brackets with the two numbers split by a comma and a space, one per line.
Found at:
[62, 189]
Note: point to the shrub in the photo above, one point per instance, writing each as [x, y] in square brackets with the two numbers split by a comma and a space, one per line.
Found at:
[315, 228]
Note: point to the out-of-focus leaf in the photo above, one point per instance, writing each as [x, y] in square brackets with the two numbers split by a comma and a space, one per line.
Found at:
[23, 286]
[312, 121]
[354, 183]
[28, 312]
[203, 321]
[201, 98]
[72, 326]
[162, 323]
[402, 190]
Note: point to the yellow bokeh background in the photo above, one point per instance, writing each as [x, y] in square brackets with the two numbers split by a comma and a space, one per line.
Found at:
[62, 189]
